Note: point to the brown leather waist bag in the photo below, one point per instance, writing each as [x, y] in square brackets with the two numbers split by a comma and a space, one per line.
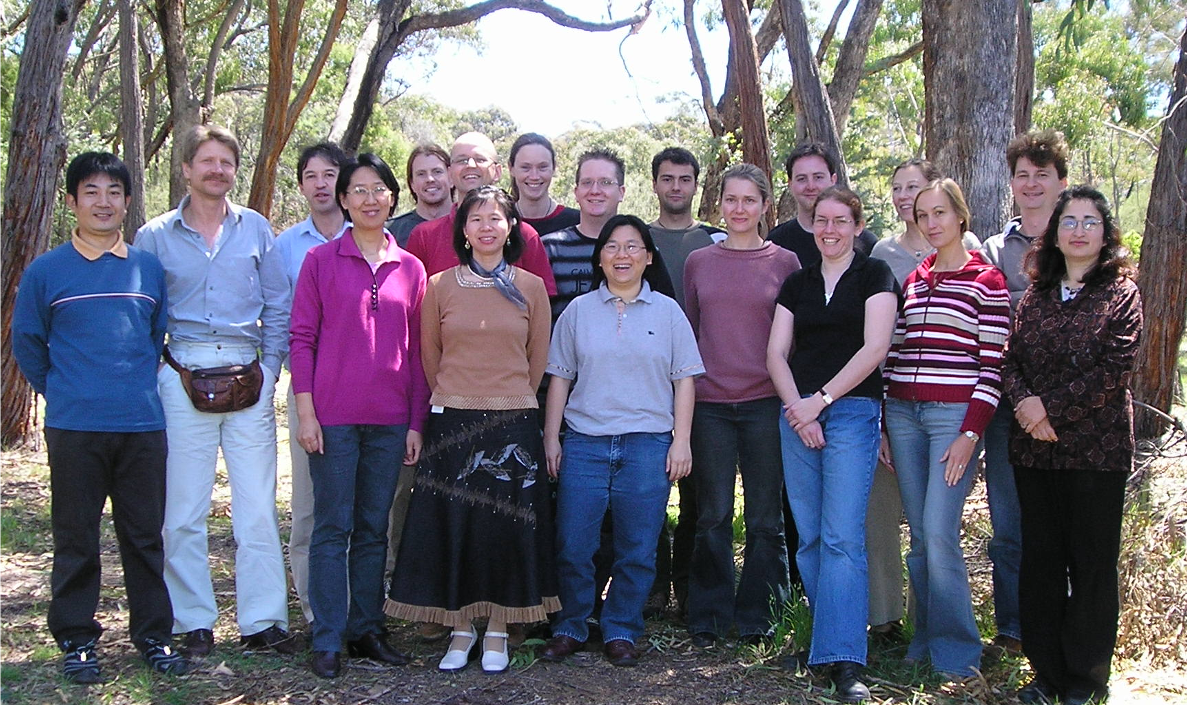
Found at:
[226, 389]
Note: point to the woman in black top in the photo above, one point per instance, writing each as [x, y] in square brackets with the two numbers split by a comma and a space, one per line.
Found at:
[840, 313]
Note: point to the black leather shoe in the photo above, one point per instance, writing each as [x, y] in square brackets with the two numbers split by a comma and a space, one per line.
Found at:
[326, 665]
[621, 653]
[374, 647]
[197, 643]
[847, 678]
[704, 639]
[272, 639]
[1038, 691]
[560, 647]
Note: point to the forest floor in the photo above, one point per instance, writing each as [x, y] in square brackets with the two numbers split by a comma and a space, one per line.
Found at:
[1151, 662]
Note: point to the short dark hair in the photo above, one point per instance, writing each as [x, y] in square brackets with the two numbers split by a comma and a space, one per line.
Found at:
[675, 155]
[604, 154]
[329, 151]
[811, 149]
[651, 273]
[374, 161]
[513, 248]
[1042, 147]
[433, 150]
[88, 163]
[1044, 262]
[842, 196]
[930, 171]
[528, 138]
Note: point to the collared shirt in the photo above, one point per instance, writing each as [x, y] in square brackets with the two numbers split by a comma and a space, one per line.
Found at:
[92, 253]
[828, 333]
[1006, 251]
[293, 244]
[234, 292]
[625, 357]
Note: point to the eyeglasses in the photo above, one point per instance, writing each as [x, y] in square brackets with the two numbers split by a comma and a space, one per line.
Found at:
[604, 183]
[362, 192]
[477, 159]
[822, 223]
[1089, 224]
[631, 248]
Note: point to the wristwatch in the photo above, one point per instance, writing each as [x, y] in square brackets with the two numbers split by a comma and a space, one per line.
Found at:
[828, 399]
[972, 435]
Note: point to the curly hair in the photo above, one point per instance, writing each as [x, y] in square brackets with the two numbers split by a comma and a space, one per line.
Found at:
[1044, 263]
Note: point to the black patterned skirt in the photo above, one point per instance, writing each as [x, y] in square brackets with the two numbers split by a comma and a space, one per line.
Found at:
[478, 537]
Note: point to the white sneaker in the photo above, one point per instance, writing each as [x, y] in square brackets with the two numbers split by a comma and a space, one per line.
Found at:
[457, 660]
[495, 661]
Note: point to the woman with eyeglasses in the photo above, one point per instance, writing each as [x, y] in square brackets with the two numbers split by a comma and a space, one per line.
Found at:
[943, 385]
[633, 356]
[478, 536]
[840, 314]
[361, 401]
[1067, 372]
[533, 162]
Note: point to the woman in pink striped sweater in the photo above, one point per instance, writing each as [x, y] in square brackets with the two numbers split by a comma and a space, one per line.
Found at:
[943, 379]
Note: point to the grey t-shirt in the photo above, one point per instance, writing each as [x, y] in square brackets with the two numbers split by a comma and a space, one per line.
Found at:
[675, 246]
[624, 363]
[1006, 251]
[903, 261]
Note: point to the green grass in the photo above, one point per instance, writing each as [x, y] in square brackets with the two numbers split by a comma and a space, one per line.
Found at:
[24, 528]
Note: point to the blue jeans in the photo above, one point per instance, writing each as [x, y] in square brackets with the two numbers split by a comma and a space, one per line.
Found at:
[1005, 515]
[624, 473]
[945, 628]
[726, 439]
[354, 482]
[829, 491]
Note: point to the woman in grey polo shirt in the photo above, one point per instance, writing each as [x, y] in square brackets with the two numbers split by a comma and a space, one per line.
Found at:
[633, 355]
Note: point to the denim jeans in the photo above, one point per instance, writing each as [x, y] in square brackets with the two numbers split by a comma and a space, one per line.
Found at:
[1005, 515]
[624, 473]
[829, 491]
[726, 439]
[354, 482]
[945, 628]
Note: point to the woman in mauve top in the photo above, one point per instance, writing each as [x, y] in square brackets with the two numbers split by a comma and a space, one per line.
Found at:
[729, 296]
[1067, 372]
[477, 539]
[633, 356]
[840, 314]
[361, 401]
[944, 382]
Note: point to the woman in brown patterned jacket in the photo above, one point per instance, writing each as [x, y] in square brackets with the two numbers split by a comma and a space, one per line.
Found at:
[1067, 372]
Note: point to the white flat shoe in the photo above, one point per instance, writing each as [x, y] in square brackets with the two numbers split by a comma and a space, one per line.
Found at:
[495, 661]
[457, 660]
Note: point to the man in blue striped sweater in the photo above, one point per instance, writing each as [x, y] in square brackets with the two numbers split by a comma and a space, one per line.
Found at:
[87, 332]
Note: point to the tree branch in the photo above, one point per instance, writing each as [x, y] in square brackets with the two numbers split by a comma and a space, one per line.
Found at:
[893, 60]
[208, 75]
[472, 13]
[827, 37]
[315, 69]
[16, 23]
[702, 71]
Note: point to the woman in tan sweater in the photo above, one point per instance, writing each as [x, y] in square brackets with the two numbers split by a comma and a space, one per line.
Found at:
[478, 538]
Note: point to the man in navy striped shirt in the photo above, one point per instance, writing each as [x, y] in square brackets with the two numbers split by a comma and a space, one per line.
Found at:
[87, 332]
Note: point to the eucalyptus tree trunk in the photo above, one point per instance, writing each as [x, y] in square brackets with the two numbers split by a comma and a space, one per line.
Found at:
[1162, 277]
[969, 58]
[756, 139]
[131, 115]
[36, 153]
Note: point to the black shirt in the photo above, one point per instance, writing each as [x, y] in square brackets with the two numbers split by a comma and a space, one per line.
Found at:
[828, 335]
[401, 227]
[791, 235]
[561, 217]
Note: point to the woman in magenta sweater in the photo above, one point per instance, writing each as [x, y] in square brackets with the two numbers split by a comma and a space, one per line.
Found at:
[730, 291]
[362, 400]
[944, 382]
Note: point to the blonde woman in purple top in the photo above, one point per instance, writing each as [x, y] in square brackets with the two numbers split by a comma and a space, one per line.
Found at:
[362, 400]
[730, 291]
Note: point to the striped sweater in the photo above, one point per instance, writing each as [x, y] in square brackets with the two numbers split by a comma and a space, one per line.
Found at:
[949, 338]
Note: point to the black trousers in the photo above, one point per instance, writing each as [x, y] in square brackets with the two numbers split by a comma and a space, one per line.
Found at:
[791, 537]
[85, 469]
[1068, 599]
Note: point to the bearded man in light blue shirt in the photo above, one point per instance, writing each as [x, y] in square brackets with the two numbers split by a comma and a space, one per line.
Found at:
[228, 305]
